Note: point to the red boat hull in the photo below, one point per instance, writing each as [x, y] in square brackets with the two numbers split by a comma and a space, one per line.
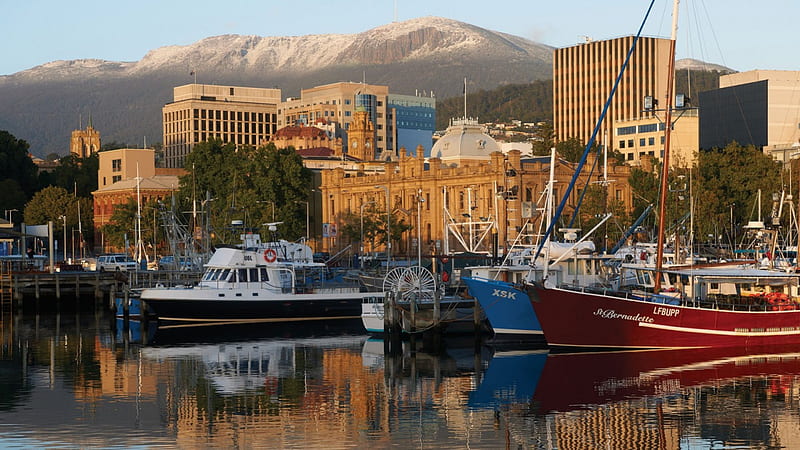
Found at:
[582, 319]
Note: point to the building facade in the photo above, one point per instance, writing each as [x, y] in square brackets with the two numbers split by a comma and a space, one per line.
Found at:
[199, 112]
[412, 121]
[337, 103]
[638, 138]
[468, 197]
[583, 76]
[84, 142]
[759, 108]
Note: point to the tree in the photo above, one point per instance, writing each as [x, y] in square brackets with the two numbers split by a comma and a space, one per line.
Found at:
[120, 231]
[53, 202]
[242, 181]
[15, 164]
[75, 174]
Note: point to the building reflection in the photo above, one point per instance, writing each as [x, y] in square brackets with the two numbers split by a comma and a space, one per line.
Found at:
[342, 391]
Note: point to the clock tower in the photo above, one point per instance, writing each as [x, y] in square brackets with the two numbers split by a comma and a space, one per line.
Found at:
[361, 137]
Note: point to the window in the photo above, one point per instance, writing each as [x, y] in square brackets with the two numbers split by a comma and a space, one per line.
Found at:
[626, 130]
[649, 128]
[641, 142]
[116, 165]
[651, 141]
[621, 144]
[630, 142]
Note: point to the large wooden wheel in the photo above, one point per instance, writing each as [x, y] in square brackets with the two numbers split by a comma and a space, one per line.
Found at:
[411, 282]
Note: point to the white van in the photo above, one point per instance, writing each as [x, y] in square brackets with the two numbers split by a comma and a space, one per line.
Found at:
[115, 262]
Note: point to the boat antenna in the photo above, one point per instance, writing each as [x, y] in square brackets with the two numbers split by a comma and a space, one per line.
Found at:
[665, 160]
[588, 148]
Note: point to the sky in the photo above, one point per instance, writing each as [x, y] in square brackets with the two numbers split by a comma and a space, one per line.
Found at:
[740, 34]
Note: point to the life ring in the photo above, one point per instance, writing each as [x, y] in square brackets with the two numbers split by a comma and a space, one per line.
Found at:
[270, 256]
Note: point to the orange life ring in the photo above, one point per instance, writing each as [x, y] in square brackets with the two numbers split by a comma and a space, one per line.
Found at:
[270, 256]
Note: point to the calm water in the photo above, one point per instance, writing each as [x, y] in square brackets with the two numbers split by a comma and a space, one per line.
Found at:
[77, 380]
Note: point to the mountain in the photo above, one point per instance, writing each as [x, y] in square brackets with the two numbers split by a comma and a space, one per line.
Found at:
[123, 100]
[696, 64]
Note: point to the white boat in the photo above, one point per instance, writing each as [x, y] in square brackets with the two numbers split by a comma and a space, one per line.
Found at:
[273, 281]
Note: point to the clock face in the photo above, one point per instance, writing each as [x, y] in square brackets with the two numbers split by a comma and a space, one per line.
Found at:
[367, 145]
[354, 144]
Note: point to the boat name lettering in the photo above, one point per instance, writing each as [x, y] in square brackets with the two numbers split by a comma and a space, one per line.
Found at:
[248, 257]
[611, 314]
[669, 312]
[504, 294]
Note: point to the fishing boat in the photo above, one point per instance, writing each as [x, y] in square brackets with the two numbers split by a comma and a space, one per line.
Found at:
[705, 306]
[273, 281]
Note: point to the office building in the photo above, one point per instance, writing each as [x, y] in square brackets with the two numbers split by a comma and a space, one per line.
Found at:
[583, 76]
[759, 108]
[199, 112]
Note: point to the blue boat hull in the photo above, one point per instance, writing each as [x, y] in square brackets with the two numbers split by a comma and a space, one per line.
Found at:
[507, 308]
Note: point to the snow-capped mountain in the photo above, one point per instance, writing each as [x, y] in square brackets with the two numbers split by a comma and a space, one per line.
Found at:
[42, 105]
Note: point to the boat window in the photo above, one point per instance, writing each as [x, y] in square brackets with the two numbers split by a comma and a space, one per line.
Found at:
[264, 276]
[253, 275]
[213, 274]
[207, 275]
[243, 275]
[225, 275]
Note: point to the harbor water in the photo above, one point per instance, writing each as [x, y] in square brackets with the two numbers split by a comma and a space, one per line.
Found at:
[82, 378]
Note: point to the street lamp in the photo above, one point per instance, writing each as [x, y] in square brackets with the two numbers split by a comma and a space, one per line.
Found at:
[388, 227]
[64, 244]
[307, 217]
[271, 203]
[361, 241]
[419, 227]
[8, 214]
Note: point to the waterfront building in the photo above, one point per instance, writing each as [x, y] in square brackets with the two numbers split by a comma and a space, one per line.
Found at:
[199, 112]
[122, 173]
[84, 143]
[468, 196]
[759, 108]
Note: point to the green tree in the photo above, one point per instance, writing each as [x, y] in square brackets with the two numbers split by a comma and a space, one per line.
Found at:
[15, 164]
[244, 182]
[120, 231]
[729, 179]
[75, 174]
[53, 203]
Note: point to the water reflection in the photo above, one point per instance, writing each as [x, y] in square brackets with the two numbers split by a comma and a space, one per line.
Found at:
[83, 379]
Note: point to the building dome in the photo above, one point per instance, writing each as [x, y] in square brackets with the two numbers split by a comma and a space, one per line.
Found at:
[464, 140]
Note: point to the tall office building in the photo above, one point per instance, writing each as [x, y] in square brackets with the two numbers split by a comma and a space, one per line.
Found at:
[583, 76]
[199, 112]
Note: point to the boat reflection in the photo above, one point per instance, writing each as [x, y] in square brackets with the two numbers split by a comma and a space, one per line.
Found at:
[578, 380]
[510, 377]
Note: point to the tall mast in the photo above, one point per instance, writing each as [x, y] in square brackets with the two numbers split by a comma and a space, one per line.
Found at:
[665, 160]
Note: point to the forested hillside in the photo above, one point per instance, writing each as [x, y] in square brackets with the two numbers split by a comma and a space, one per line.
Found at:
[534, 102]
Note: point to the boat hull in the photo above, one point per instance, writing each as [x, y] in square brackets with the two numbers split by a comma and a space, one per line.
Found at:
[508, 309]
[584, 319]
[206, 305]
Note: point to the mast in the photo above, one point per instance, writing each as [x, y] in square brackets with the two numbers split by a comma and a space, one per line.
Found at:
[665, 160]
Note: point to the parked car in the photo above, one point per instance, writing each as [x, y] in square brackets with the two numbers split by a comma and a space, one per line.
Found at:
[168, 263]
[115, 262]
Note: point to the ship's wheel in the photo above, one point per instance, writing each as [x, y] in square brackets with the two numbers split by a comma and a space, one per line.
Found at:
[412, 282]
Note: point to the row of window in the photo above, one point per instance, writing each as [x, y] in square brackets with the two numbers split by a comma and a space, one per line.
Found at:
[646, 128]
[642, 142]
[250, 275]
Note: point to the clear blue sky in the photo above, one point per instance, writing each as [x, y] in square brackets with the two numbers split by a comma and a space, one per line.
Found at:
[741, 34]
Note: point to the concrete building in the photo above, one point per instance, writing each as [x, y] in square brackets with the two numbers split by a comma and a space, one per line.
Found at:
[759, 108]
[583, 76]
[84, 142]
[117, 182]
[199, 112]
[638, 138]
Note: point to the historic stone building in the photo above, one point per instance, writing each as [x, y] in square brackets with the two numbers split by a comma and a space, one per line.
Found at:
[468, 197]
[84, 142]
